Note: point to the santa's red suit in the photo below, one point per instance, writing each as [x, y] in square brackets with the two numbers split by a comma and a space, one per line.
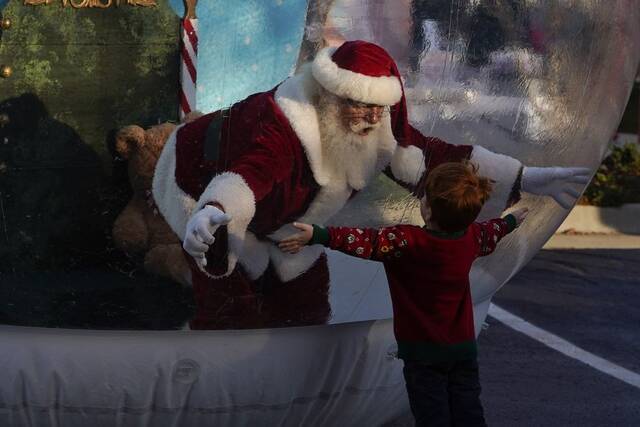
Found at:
[262, 161]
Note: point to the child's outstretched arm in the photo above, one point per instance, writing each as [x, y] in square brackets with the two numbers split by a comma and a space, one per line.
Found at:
[492, 231]
[367, 243]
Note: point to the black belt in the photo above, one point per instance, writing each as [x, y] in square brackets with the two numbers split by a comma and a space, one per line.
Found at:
[214, 135]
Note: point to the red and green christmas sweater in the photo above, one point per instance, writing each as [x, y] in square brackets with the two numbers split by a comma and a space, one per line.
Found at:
[428, 275]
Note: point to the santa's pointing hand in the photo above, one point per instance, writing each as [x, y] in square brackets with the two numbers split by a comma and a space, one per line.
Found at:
[556, 182]
[200, 229]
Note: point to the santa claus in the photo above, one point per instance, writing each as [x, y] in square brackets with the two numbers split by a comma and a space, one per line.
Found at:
[231, 182]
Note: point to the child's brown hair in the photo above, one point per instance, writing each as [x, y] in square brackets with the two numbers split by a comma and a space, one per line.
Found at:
[455, 193]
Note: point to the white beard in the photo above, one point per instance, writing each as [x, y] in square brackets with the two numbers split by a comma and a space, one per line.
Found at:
[347, 156]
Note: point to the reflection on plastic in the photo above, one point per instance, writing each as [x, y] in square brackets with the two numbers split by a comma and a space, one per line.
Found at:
[539, 81]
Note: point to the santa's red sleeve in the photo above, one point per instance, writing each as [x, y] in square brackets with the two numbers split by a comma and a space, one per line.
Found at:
[416, 155]
[246, 179]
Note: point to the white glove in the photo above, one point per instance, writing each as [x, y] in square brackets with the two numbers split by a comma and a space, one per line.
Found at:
[200, 229]
[556, 182]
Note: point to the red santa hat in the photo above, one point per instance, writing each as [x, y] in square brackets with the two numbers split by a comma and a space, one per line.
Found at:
[364, 72]
[359, 70]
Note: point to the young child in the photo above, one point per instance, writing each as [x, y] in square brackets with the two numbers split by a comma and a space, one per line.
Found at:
[428, 273]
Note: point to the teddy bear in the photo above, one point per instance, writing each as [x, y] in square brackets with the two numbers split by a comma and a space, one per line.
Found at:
[140, 230]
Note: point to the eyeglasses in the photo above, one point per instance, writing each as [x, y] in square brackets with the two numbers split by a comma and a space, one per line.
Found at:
[364, 109]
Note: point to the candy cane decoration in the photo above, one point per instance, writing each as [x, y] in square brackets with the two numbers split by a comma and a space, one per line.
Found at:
[188, 59]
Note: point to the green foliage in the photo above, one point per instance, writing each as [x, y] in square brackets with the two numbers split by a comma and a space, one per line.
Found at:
[618, 180]
[96, 69]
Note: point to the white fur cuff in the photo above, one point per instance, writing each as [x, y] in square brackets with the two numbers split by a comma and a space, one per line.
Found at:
[504, 171]
[407, 164]
[233, 193]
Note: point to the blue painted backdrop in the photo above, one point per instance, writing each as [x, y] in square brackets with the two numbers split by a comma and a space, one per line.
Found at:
[245, 46]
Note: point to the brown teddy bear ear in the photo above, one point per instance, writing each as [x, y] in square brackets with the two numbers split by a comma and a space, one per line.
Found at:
[126, 136]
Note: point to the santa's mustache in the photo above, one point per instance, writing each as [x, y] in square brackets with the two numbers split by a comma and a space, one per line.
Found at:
[362, 126]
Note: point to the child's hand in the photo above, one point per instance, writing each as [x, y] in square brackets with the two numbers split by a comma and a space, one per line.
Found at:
[520, 215]
[294, 243]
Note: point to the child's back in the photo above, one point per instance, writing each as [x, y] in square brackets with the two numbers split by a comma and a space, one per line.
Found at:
[428, 275]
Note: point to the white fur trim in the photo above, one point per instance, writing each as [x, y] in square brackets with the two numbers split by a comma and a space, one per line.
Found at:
[407, 164]
[383, 90]
[290, 266]
[255, 256]
[504, 171]
[233, 193]
[294, 97]
[174, 204]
